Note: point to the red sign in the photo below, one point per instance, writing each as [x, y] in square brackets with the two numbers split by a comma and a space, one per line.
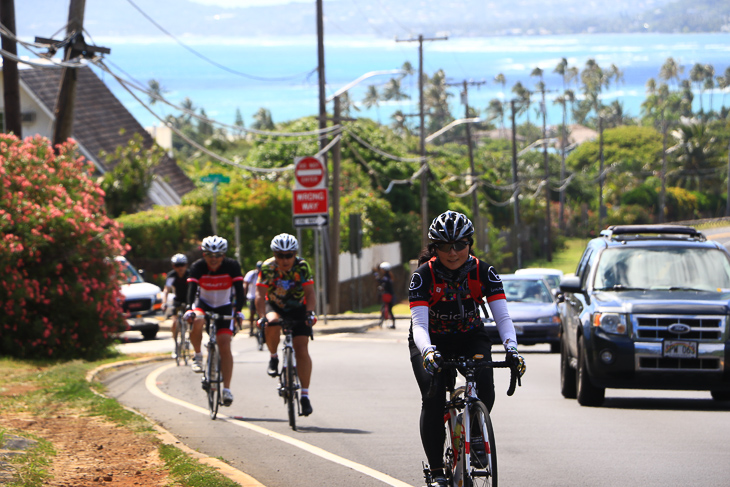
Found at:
[309, 173]
[310, 202]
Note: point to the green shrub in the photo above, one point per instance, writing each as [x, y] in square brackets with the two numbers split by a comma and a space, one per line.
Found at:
[162, 232]
[58, 289]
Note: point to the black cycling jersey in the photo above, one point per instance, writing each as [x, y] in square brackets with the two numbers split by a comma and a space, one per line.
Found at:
[456, 311]
[178, 284]
[216, 286]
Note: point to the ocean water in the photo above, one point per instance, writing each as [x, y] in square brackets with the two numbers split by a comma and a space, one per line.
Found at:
[290, 87]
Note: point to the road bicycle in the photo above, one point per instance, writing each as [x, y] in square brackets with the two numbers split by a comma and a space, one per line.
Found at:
[470, 452]
[260, 336]
[288, 378]
[384, 310]
[212, 380]
[182, 341]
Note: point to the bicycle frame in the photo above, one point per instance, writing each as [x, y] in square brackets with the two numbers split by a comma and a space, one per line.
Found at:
[182, 344]
[288, 379]
[212, 376]
[463, 404]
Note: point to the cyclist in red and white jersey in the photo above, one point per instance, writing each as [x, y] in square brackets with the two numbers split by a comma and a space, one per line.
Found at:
[211, 281]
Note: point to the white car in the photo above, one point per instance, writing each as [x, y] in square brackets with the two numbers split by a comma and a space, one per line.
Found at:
[552, 276]
[142, 300]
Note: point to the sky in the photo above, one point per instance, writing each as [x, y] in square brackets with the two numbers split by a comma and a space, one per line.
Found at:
[247, 3]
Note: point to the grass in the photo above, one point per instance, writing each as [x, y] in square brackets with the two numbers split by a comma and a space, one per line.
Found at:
[47, 386]
[565, 259]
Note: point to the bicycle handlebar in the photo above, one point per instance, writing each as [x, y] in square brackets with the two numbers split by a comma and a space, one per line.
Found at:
[216, 316]
[476, 364]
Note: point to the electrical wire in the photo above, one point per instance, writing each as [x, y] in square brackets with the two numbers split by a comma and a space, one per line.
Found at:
[214, 63]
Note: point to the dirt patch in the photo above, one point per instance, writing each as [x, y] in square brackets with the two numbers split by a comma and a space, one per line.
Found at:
[92, 452]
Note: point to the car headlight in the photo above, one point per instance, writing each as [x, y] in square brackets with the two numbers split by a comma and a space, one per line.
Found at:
[611, 322]
[549, 319]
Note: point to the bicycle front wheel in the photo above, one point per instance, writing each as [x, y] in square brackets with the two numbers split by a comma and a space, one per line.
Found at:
[291, 392]
[483, 449]
[179, 339]
[215, 379]
[184, 334]
[450, 452]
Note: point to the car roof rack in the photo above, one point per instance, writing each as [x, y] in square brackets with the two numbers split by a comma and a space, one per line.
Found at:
[624, 232]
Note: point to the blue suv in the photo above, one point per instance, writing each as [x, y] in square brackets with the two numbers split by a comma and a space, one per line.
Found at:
[647, 308]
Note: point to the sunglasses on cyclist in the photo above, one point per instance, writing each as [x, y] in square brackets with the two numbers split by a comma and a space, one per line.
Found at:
[217, 255]
[179, 265]
[288, 255]
[447, 246]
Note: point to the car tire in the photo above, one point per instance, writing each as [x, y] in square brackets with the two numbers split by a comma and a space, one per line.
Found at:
[586, 393]
[720, 395]
[149, 334]
[567, 373]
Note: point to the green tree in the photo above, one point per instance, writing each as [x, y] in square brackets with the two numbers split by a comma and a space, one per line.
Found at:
[372, 99]
[262, 120]
[128, 182]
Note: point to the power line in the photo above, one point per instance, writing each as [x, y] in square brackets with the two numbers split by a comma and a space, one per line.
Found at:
[210, 61]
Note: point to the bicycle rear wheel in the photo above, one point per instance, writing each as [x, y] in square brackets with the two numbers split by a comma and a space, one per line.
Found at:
[214, 381]
[450, 451]
[291, 392]
[184, 335]
[260, 337]
[178, 340]
[483, 472]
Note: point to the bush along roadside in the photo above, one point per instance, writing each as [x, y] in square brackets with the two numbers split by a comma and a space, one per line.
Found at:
[78, 436]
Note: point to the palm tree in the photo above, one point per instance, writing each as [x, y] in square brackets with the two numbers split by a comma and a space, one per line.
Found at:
[670, 70]
[697, 75]
[372, 99]
[523, 94]
[392, 91]
[502, 81]
[400, 124]
[696, 153]
[155, 91]
[496, 110]
[262, 120]
[709, 83]
[436, 100]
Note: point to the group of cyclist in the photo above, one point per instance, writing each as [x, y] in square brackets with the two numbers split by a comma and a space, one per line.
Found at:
[445, 293]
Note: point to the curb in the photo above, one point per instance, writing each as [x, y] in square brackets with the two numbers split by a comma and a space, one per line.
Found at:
[241, 478]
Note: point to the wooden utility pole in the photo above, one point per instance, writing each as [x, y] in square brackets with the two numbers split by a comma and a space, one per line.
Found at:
[422, 116]
[11, 80]
[547, 178]
[334, 271]
[516, 182]
[64, 109]
[600, 174]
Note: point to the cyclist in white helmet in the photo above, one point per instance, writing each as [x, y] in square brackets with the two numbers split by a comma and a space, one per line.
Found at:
[211, 281]
[285, 290]
[176, 282]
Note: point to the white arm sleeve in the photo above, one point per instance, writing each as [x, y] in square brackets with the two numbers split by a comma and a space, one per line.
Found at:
[504, 323]
[419, 317]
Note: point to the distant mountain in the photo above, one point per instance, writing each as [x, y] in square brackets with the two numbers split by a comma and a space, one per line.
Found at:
[380, 18]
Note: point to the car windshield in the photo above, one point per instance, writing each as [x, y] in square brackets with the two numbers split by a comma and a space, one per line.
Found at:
[129, 273]
[527, 291]
[670, 268]
[553, 280]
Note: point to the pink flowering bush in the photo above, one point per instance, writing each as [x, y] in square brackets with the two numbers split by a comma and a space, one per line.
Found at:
[59, 296]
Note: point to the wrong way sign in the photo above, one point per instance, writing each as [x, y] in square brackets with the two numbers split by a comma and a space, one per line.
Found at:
[310, 197]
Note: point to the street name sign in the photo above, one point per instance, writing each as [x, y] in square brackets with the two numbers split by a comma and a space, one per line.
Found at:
[311, 221]
[216, 178]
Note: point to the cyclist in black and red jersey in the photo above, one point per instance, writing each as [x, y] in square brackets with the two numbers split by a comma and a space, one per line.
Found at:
[285, 290]
[444, 294]
[209, 289]
[176, 282]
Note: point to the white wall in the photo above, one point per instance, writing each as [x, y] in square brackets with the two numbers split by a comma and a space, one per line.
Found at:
[371, 257]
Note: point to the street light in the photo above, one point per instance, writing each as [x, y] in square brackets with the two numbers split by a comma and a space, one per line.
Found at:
[452, 125]
[334, 268]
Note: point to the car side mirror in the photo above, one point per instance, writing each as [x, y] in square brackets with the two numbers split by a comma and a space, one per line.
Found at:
[571, 284]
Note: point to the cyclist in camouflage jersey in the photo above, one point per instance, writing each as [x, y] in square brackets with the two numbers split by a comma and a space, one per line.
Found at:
[284, 290]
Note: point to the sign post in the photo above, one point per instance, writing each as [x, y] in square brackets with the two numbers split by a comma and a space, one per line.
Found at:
[310, 206]
[215, 179]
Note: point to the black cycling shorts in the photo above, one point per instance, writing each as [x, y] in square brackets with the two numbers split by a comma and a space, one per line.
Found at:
[299, 315]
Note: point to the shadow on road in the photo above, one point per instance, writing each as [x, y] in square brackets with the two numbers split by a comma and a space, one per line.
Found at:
[666, 404]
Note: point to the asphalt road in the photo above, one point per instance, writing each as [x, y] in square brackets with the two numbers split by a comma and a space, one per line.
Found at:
[364, 430]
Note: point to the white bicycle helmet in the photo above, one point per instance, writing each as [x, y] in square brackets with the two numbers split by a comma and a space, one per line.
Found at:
[179, 259]
[385, 266]
[214, 244]
[450, 226]
[284, 243]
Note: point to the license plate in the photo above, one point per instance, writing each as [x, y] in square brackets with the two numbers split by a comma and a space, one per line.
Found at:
[680, 349]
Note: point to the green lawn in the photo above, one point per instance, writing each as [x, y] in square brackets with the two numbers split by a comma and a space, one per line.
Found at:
[565, 259]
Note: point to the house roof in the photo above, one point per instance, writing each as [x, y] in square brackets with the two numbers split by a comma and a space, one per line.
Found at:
[99, 117]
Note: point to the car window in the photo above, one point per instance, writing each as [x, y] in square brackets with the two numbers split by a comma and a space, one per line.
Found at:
[663, 268]
[553, 280]
[583, 267]
[129, 273]
[527, 291]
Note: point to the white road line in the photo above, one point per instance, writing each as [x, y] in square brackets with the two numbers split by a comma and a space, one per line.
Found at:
[151, 384]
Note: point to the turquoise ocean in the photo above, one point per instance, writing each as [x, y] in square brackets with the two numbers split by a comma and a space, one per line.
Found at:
[283, 74]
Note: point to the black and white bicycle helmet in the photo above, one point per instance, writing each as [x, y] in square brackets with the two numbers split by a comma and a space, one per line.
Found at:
[284, 243]
[178, 259]
[450, 226]
[385, 266]
[214, 244]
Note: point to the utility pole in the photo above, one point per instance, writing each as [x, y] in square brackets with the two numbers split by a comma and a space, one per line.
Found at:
[334, 269]
[422, 116]
[64, 109]
[334, 251]
[11, 80]
[600, 174]
[516, 183]
[547, 176]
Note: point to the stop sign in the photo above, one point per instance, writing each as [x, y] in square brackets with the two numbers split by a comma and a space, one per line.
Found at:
[309, 173]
